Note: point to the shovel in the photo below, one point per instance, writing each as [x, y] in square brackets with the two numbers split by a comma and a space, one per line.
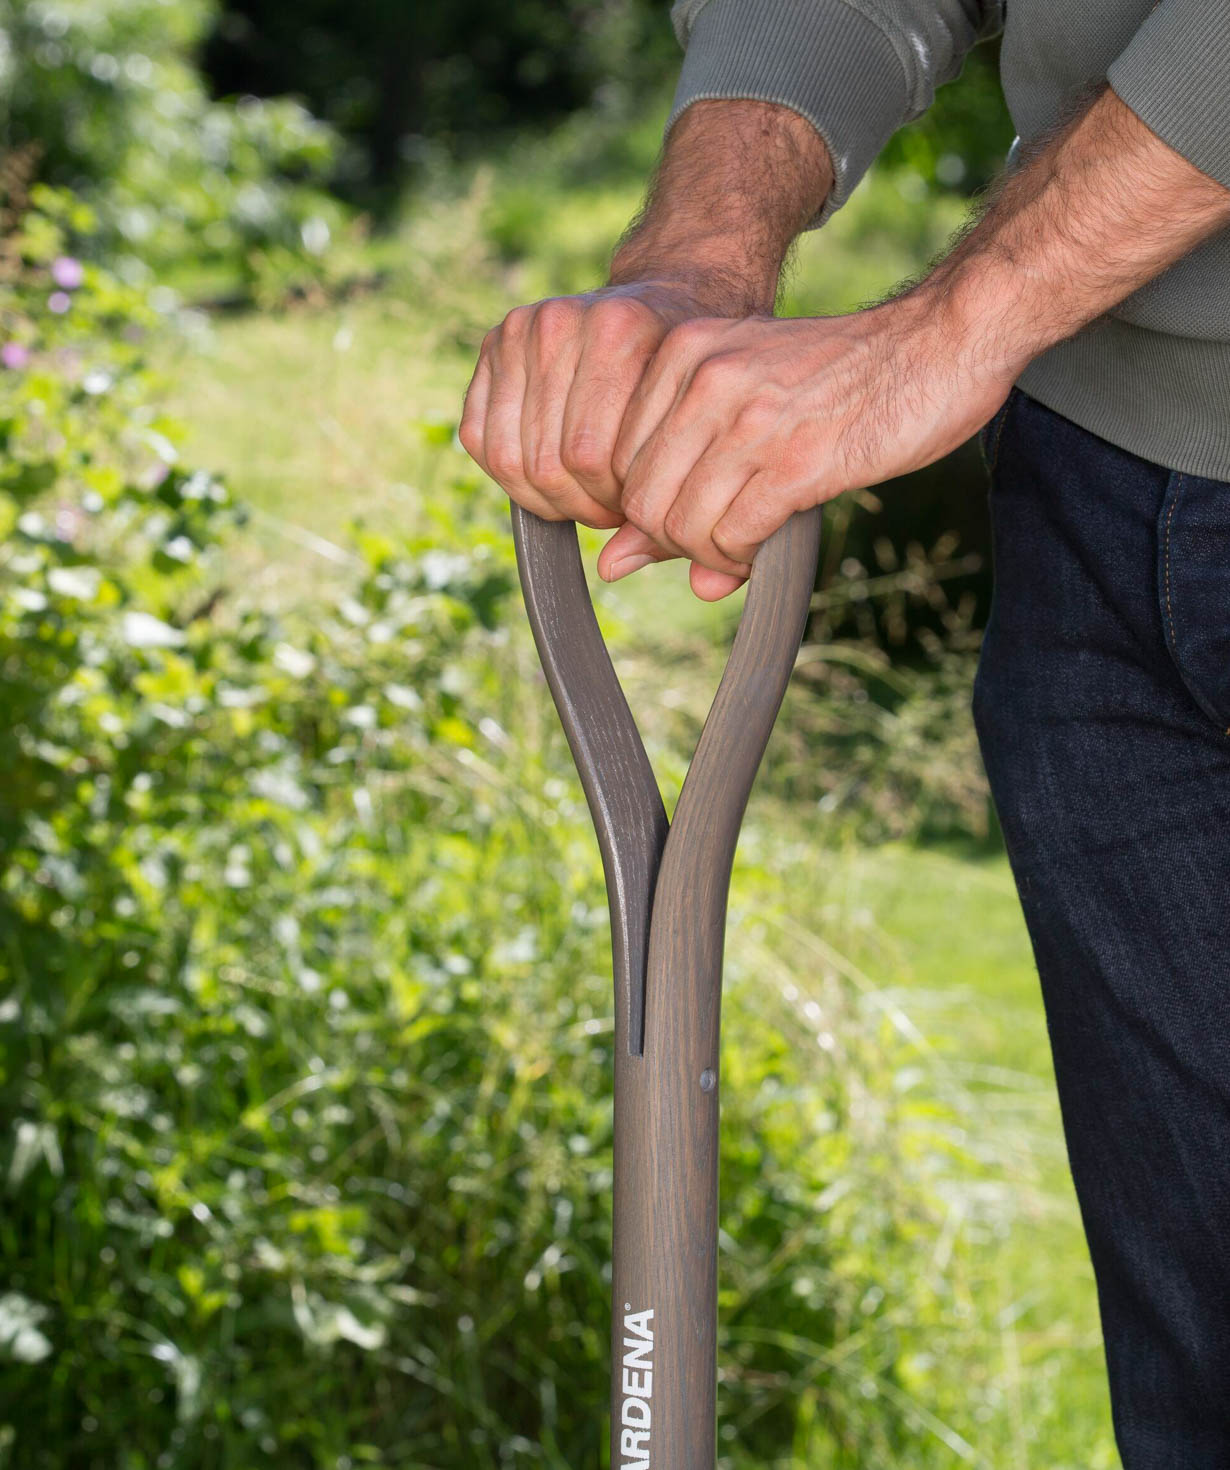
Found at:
[667, 887]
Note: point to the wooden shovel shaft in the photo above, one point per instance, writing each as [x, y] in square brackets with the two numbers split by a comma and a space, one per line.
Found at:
[668, 1000]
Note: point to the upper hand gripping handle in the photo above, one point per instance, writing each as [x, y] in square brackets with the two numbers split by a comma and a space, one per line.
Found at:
[610, 757]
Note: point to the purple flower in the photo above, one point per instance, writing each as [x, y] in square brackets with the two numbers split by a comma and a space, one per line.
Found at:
[59, 302]
[14, 355]
[67, 273]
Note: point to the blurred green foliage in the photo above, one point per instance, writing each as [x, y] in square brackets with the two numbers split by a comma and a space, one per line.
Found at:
[960, 143]
[329, 101]
[409, 82]
[107, 96]
[415, 85]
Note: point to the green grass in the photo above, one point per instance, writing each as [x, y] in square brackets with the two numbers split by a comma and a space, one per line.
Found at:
[312, 416]
[944, 936]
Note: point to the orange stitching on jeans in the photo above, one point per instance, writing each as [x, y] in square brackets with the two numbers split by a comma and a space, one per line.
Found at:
[1178, 490]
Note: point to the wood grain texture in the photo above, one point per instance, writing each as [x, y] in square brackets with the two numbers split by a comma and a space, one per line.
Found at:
[615, 772]
[666, 1090]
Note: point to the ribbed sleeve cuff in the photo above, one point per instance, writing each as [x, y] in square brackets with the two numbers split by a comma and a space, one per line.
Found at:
[821, 58]
[1175, 76]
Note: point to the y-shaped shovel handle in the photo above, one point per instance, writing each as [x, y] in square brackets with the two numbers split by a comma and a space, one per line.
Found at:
[667, 894]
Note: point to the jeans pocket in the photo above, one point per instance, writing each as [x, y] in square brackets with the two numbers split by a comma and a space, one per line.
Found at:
[992, 432]
[1193, 579]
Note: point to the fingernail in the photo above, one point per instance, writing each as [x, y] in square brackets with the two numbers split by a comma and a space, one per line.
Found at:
[630, 564]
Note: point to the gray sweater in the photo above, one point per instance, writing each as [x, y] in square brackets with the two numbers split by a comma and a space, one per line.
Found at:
[1152, 376]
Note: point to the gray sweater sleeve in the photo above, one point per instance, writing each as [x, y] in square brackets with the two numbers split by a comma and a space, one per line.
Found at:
[856, 69]
[1175, 75]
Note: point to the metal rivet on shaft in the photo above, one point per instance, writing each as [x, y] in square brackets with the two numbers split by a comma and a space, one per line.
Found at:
[708, 1080]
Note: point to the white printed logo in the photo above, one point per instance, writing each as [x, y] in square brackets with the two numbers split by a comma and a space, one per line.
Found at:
[636, 1413]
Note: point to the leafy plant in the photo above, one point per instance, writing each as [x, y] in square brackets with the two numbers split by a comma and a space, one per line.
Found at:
[108, 94]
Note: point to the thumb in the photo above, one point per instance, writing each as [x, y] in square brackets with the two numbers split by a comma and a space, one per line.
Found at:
[628, 550]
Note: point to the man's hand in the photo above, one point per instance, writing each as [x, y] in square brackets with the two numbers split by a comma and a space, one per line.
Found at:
[735, 425]
[548, 395]
[738, 180]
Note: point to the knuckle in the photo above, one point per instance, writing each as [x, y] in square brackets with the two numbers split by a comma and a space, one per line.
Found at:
[757, 414]
[554, 319]
[544, 470]
[517, 323]
[675, 524]
[504, 461]
[643, 516]
[617, 320]
[715, 374]
[585, 454]
[687, 335]
[470, 433]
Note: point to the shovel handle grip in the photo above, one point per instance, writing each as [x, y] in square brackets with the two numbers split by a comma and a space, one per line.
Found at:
[606, 746]
[667, 892]
[618, 780]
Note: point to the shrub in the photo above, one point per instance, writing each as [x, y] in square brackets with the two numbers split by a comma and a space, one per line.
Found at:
[108, 93]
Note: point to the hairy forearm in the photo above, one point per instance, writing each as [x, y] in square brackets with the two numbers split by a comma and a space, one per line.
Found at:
[1101, 209]
[734, 424]
[737, 182]
[651, 407]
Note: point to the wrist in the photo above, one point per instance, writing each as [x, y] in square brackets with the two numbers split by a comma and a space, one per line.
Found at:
[738, 180]
[977, 316]
[720, 278]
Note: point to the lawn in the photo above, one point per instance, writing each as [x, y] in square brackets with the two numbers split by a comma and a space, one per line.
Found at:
[311, 414]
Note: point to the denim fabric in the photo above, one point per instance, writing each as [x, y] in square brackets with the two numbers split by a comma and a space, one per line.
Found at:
[1103, 709]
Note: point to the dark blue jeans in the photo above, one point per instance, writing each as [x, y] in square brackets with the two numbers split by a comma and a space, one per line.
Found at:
[1103, 709]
